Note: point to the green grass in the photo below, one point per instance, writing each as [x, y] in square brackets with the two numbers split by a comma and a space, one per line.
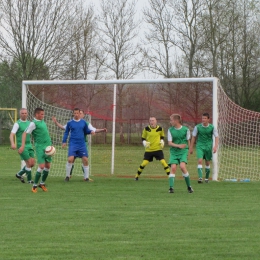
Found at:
[128, 159]
[117, 218]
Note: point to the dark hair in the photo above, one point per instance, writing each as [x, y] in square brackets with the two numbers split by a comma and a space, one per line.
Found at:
[206, 114]
[38, 110]
[76, 109]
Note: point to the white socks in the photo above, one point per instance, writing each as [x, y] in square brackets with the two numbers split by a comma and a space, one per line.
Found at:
[68, 169]
[39, 170]
[86, 171]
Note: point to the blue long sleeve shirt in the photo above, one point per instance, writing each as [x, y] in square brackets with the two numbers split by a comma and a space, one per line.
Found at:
[77, 131]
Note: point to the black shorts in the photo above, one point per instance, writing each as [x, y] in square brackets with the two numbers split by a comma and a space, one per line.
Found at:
[158, 155]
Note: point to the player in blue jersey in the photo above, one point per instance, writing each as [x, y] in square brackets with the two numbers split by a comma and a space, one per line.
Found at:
[90, 127]
[77, 129]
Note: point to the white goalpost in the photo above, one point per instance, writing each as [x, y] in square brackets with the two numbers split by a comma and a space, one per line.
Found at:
[26, 93]
[238, 156]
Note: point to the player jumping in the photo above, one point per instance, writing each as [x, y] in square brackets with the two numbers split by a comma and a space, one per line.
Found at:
[28, 154]
[153, 141]
[77, 128]
[40, 133]
[90, 127]
[179, 141]
[204, 133]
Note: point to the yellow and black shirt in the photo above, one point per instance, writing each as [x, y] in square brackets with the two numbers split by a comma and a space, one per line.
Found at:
[154, 136]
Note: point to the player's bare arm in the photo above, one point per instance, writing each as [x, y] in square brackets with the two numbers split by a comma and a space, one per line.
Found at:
[193, 138]
[102, 130]
[181, 146]
[13, 146]
[215, 148]
[21, 149]
[54, 119]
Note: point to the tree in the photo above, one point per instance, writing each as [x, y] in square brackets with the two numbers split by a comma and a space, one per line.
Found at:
[118, 42]
[33, 30]
[158, 53]
[81, 59]
[11, 76]
[185, 24]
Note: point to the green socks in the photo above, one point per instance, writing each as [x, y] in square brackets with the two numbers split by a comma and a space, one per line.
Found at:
[21, 172]
[187, 178]
[171, 180]
[45, 173]
[28, 173]
[207, 168]
[38, 174]
[200, 171]
[37, 177]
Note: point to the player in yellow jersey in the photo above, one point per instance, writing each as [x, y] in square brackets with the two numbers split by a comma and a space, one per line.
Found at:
[153, 141]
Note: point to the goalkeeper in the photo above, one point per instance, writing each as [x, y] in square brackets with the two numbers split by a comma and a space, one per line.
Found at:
[153, 141]
[204, 133]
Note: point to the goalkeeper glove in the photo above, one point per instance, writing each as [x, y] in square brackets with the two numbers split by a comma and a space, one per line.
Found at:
[146, 144]
[162, 143]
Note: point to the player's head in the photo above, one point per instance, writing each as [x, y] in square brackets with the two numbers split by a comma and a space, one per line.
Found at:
[23, 113]
[39, 113]
[152, 121]
[81, 113]
[175, 120]
[76, 113]
[205, 118]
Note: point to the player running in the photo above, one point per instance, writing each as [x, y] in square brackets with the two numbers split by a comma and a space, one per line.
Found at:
[179, 141]
[153, 141]
[204, 133]
[77, 128]
[90, 127]
[40, 133]
[28, 154]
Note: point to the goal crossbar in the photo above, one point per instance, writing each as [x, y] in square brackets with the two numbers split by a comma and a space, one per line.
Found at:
[115, 82]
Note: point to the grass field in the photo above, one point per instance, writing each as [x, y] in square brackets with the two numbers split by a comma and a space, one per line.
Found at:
[117, 218]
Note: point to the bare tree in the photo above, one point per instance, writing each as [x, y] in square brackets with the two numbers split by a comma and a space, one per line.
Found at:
[187, 15]
[159, 49]
[32, 30]
[216, 26]
[81, 59]
[118, 39]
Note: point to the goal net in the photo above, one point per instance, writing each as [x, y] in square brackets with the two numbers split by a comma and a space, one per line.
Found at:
[63, 115]
[239, 131]
[120, 150]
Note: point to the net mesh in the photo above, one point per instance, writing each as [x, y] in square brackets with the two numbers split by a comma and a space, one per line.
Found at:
[239, 131]
[238, 154]
[56, 134]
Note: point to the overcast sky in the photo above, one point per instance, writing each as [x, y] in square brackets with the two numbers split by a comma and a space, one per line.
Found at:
[140, 5]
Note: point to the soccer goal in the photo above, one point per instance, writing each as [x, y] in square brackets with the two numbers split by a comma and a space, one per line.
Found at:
[124, 106]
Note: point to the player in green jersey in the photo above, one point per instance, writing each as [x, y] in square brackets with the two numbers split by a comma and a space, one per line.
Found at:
[204, 134]
[179, 141]
[28, 154]
[40, 133]
[90, 127]
[153, 141]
